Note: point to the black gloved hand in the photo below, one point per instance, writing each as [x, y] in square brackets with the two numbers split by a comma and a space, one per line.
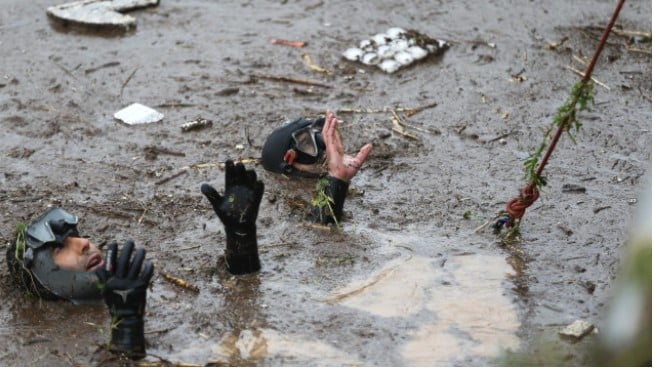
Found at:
[238, 209]
[124, 291]
[327, 205]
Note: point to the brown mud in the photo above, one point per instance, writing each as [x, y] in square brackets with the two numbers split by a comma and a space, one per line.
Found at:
[407, 281]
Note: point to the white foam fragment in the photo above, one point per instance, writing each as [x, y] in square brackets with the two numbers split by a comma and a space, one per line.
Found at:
[136, 113]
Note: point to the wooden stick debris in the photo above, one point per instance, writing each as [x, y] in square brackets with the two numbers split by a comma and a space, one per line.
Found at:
[579, 72]
[127, 80]
[290, 80]
[200, 166]
[297, 44]
[408, 111]
[179, 282]
[555, 45]
[399, 128]
[635, 49]
[314, 67]
[220, 164]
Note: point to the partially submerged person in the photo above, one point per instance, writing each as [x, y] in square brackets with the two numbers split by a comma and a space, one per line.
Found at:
[301, 147]
[51, 260]
[238, 208]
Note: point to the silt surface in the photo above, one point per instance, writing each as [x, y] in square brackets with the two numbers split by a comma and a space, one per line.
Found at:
[412, 277]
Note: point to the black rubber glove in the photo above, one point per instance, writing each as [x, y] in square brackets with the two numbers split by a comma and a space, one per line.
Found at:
[327, 206]
[238, 209]
[124, 291]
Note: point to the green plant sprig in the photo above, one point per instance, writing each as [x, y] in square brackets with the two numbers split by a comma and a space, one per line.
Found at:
[580, 98]
[322, 200]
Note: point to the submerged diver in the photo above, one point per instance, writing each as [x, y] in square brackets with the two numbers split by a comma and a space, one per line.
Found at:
[300, 147]
[51, 260]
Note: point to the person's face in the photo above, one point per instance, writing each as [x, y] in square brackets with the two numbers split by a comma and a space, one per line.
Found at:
[78, 254]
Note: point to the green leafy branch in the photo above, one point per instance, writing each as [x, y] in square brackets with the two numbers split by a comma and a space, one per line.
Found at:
[580, 98]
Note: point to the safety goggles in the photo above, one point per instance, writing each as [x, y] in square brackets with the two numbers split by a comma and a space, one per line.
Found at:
[308, 143]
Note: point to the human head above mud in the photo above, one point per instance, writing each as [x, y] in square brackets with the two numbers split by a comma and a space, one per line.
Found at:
[295, 148]
[305, 147]
[50, 259]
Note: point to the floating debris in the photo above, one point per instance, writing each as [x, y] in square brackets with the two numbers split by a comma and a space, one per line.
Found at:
[138, 114]
[100, 13]
[298, 44]
[196, 124]
[395, 49]
[577, 329]
[180, 282]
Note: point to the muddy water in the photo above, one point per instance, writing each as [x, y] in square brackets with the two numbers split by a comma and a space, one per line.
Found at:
[407, 281]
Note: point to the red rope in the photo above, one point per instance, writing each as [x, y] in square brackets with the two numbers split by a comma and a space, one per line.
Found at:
[516, 207]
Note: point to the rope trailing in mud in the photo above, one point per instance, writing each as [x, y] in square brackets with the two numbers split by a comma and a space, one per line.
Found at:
[516, 207]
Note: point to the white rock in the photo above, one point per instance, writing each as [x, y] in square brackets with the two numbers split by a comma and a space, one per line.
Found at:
[385, 51]
[353, 54]
[138, 114]
[395, 32]
[399, 44]
[417, 52]
[404, 58]
[577, 329]
[365, 44]
[380, 39]
[370, 58]
[389, 66]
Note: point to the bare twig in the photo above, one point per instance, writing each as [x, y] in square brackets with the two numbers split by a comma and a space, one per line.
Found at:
[314, 67]
[297, 44]
[290, 80]
[580, 73]
[127, 81]
[399, 128]
[179, 282]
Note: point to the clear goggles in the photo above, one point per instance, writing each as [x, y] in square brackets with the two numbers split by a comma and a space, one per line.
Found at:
[308, 141]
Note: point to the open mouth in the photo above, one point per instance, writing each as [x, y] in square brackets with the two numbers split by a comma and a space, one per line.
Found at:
[95, 261]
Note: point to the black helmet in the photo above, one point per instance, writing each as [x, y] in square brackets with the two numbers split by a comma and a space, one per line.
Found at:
[298, 141]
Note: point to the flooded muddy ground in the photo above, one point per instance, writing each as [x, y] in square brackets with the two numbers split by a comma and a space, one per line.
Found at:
[408, 280]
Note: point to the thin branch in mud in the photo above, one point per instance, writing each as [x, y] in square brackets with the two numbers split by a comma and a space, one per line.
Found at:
[399, 128]
[290, 80]
[219, 164]
[189, 248]
[169, 178]
[65, 70]
[175, 105]
[314, 67]
[161, 330]
[316, 226]
[140, 220]
[647, 35]
[580, 60]
[106, 65]
[635, 49]
[555, 45]
[72, 361]
[579, 72]
[179, 282]
[501, 136]
[408, 111]
[184, 169]
[162, 363]
[127, 81]
[296, 44]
